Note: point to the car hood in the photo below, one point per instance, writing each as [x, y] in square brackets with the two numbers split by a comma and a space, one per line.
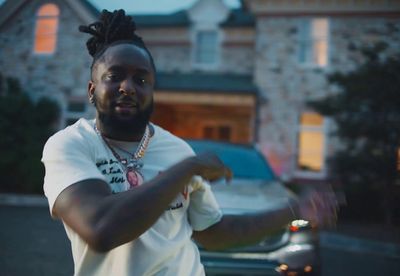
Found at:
[244, 196]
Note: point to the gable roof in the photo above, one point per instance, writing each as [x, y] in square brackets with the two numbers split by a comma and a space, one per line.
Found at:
[83, 9]
[8, 9]
[88, 13]
[90, 7]
[176, 19]
[237, 18]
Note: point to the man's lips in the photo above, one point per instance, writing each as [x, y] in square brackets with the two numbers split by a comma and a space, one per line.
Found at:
[126, 106]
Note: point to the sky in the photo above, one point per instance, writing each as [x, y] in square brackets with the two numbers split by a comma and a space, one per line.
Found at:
[148, 6]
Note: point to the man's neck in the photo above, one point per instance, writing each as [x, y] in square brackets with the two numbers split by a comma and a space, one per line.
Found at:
[120, 134]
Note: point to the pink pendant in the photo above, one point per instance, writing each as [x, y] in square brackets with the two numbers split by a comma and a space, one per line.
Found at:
[134, 178]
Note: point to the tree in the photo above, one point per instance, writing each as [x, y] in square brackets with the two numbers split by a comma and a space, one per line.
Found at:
[25, 126]
[367, 114]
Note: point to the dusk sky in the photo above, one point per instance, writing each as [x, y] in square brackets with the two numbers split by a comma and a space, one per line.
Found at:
[155, 6]
[143, 6]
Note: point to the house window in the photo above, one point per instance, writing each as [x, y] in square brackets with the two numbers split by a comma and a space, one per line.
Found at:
[217, 132]
[206, 47]
[311, 142]
[46, 29]
[313, 42]
[75, 109]
[76, 106]
[398, 160]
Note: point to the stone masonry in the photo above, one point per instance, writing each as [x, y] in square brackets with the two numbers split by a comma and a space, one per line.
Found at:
[61, 75]
[287, 85]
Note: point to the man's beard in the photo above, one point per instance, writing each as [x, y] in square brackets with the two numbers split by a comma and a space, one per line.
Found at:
[134, 124]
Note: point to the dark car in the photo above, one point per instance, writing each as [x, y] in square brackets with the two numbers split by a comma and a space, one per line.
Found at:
[291, 251]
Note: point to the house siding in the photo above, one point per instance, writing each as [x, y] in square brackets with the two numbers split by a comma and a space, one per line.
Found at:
[288, 85]
[266, 50]
[60, 75]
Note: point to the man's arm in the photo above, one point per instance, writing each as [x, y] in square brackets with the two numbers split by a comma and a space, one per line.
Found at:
[106, 221]
[243, 230]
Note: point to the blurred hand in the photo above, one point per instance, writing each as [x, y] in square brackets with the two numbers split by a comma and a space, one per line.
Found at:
[210, 167]
[319, 207]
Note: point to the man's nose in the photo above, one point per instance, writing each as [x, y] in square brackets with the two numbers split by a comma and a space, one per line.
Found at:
[127, 87]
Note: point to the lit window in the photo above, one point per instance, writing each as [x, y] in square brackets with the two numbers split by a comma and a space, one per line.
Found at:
[217, 132]
[206, 47]
[46, 29]
[311, 142]
[398, 159]
[313, 46]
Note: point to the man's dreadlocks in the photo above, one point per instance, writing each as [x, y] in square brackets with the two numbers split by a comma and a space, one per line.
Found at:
[111, 29]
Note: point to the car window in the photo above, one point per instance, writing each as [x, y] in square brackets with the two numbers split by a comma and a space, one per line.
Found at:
[245, 161]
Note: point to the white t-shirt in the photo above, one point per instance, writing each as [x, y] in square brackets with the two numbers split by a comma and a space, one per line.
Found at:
[78, 153]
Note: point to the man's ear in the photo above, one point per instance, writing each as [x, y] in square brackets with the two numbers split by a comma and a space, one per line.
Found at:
[91, 89]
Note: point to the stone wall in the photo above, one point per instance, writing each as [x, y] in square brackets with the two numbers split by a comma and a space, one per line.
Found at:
[287, 85]
[60, 75]
[172, 50]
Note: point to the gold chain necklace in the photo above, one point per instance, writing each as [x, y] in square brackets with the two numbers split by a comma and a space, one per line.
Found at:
[134, 165]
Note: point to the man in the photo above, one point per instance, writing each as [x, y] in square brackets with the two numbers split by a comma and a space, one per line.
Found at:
[130, 194]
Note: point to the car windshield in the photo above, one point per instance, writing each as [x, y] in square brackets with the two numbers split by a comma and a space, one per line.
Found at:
[245, 161]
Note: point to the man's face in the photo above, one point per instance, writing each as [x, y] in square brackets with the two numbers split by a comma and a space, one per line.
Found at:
[122, 86]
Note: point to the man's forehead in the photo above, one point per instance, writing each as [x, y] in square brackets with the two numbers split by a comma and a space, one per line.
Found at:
[122, 55]
[125, 55]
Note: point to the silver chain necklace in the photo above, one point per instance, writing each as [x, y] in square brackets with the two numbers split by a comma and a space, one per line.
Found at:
[134, 165]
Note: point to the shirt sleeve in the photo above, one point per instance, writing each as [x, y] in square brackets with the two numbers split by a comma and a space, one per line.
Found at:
[204, 210]
[67, 160]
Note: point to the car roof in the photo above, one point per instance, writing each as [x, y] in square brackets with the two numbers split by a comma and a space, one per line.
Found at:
[245, 160]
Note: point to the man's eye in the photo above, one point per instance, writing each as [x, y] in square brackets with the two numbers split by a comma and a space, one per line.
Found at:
[113, 77]
[141, 81]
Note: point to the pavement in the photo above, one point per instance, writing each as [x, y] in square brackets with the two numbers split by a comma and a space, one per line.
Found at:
[352, 237]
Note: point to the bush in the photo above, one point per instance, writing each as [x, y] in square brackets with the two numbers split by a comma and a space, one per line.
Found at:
[25, 125]
[367, 115]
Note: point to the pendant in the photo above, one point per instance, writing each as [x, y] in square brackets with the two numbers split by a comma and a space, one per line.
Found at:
[134, 177]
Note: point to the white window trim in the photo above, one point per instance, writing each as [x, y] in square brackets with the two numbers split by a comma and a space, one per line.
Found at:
[309, 174]
[34, 31]
[313, 65]
[203, 66]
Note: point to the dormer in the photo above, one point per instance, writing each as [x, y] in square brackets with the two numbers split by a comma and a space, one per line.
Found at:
[206, 36]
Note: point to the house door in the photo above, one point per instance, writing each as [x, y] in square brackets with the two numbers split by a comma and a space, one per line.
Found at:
[232, 123]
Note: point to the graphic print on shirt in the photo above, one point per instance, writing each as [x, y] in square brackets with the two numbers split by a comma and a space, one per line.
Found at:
[179, 200]
[116, 177]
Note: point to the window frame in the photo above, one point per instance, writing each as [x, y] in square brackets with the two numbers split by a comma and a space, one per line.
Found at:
[216, 125]
[298, 172]
[195, 48]
[309, 41]
[75, 115]
[37, 19]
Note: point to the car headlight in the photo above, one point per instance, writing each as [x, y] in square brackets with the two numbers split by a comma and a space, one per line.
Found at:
[284, 269]
[298, 224]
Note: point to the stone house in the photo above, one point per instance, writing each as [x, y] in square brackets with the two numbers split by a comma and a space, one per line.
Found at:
[241, 75]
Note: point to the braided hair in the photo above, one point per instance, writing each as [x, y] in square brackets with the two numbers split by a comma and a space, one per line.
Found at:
[112, 28]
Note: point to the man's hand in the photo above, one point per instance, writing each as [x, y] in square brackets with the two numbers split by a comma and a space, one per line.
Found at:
[210, 167]
[319, 207]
